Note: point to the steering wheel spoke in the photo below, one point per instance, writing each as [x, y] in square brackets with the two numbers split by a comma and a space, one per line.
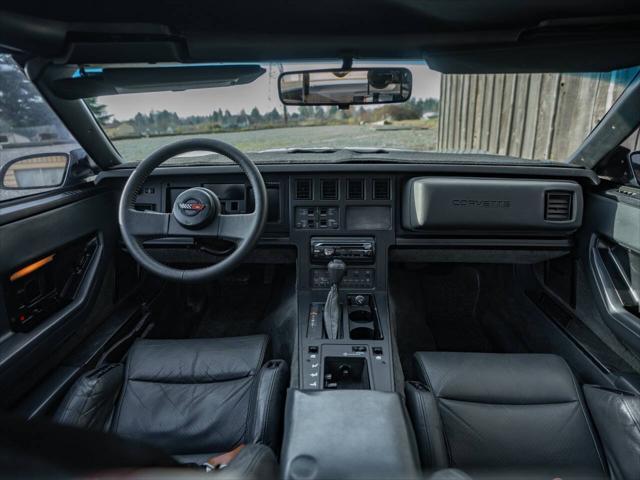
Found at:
[235, 227]
[147, 224]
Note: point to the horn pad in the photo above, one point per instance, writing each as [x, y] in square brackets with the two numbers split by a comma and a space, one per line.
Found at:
[196, 207]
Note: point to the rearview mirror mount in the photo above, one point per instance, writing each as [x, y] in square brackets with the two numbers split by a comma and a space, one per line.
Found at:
[357, 86]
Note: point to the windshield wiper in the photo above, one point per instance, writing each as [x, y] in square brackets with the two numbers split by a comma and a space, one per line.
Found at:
[363, 150]
[300, 150]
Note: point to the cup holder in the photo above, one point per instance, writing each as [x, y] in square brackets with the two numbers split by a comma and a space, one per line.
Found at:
[363, 318]
[363, 333]
[360, 315]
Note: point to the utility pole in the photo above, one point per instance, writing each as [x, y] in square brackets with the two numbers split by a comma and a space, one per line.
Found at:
[285, 115]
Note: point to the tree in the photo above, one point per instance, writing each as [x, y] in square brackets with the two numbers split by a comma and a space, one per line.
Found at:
[20, 103]
[255, 115]
[243, 119]
[273, 116]
[99, 110]
[305, 112]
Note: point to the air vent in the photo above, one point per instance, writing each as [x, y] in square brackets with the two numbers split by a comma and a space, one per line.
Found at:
[303, 189]
[329, 189]
[558, 206]
[355, 189]
[381, 189]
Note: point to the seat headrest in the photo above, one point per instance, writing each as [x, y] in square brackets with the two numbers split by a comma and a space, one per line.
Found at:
[197, 360]
[498, 378]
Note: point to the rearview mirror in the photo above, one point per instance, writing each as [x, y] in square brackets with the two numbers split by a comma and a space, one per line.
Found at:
[358, 86]
[35, 171]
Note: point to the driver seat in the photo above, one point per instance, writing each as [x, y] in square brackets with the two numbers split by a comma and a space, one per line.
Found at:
[193, 398]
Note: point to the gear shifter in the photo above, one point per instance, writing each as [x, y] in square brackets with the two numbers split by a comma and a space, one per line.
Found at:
[332, 310]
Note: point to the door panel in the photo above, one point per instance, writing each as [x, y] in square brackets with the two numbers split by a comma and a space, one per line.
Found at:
[611, 253]
[76, 242]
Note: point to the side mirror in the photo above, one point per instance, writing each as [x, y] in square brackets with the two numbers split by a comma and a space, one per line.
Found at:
[620, 166]
[46, 170]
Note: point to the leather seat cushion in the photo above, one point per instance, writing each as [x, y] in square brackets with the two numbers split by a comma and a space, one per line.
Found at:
[510, 410]
[190, 396]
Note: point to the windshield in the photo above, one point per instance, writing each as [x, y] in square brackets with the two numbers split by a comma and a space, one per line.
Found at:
[542, 117]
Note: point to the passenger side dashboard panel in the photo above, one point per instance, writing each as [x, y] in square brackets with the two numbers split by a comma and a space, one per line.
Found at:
[454, 204]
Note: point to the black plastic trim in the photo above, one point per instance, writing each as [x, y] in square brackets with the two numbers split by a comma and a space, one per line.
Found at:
[12, 211]
[561, 171]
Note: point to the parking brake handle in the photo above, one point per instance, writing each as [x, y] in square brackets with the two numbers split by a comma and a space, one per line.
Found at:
[332, 310]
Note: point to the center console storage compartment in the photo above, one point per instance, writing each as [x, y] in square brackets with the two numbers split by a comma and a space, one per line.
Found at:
[346, 373]
[347, 434]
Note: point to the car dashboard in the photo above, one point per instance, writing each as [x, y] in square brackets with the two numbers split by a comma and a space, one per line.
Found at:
[370, 216]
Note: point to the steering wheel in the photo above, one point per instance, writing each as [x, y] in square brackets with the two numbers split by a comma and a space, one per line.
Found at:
[195, 213]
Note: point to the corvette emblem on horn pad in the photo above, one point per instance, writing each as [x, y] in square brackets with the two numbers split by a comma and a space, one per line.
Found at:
[192, 207]
[196, 207]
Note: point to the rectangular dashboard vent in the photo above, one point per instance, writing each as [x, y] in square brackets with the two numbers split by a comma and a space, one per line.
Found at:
[355, 189]
[329, 189]
[558, 206]
[304, 189]
[381, 189]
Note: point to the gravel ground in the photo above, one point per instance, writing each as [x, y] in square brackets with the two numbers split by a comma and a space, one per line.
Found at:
[329, 136]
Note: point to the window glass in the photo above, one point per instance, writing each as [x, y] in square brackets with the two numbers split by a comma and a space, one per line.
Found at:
[34, 144]
[540, 117]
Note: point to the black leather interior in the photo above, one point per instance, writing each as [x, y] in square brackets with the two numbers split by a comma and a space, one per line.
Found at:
[616, 415]
[39, 448]
[193, 398]
[348, 434]
[518, 412]
[92, 399]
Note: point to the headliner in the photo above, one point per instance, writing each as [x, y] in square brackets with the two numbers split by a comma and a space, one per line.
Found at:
[454, 36]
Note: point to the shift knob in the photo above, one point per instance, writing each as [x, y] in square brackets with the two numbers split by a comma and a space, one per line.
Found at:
[337, 269]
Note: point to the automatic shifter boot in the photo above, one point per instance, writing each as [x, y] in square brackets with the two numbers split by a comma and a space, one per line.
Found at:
[332, 310]
[332, 313]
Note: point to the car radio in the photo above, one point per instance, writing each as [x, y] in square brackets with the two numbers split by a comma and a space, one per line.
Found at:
[349, 249]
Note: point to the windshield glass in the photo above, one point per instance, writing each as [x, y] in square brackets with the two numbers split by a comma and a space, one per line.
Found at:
[542, 117]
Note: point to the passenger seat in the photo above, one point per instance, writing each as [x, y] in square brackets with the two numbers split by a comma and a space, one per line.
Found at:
[502, 413]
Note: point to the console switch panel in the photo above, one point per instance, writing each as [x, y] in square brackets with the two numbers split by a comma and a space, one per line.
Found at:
[317, 218]
[354, 278]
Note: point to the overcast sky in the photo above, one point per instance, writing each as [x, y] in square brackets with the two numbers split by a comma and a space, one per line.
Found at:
[262, 93]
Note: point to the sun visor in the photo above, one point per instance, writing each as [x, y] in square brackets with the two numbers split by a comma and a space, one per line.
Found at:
[96, 82]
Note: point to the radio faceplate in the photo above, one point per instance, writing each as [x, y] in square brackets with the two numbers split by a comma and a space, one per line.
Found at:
[349, 249]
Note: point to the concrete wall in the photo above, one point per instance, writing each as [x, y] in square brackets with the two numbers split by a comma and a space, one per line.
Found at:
[540, 116]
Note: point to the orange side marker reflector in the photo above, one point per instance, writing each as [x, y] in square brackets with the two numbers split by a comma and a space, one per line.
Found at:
[23, 272]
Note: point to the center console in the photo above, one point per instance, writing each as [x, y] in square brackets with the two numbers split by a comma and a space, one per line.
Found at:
[344, 330]
[352, 350]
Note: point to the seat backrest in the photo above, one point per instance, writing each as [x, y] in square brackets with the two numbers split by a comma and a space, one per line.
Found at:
[186, 396]
[507, 411]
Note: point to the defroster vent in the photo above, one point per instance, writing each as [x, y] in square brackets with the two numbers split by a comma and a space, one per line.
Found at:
[329, 189]
[304, 189]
